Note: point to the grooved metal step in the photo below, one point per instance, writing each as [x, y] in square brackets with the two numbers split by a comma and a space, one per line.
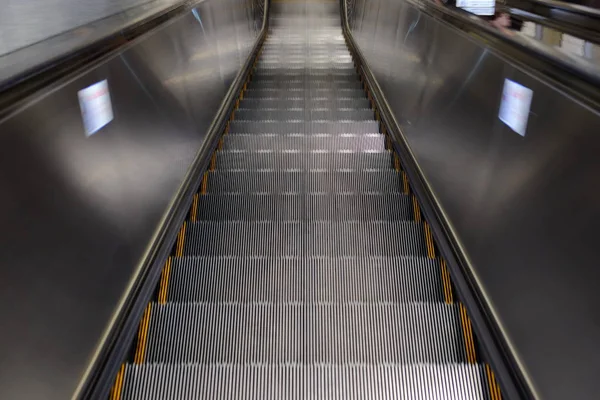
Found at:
[277, 182]
[306, 382]
[257, 333]
[243, 114]
[346, 207]
[283, 104]
[310, 239]
[322, 161]
[304, 143]
[259, 78]
[305, 280]
[256, 93]
[304, 273]
[306, 128]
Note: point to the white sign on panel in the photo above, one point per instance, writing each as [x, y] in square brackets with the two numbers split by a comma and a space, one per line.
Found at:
[478, 7]
[515, 106]
[96, 108]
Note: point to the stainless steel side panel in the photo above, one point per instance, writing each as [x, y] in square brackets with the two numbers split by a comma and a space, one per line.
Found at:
[525, 209]
[77, 213]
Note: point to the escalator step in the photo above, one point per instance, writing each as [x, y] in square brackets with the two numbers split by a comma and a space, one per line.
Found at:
[284, 104]
[243, 114]
[310, 382]
[306, 84]
[305, 143]
[260, 77]
[305, 280]
[277, 182]
[307, 128]
[246, 161]
[310, 239]
[358, 333]
[347, 207]
[308, 93]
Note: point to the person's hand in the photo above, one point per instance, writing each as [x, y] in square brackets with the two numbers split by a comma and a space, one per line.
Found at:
[501, 21]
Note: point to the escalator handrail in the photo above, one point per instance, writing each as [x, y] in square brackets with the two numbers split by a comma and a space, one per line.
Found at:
[574, 9]
[17, 88]
[99, 376]
[579, 21]
[576, 76]
[513, 381]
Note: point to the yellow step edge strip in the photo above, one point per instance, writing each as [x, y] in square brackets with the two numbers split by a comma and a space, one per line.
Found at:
[194, 209]
[495, 393]
[416, 209]
[204, 184]
[429, 241]
[468, 335]
[213, 162]
[140, 352]
[180, 241]
[396, 162]
[405, 185]
[117, 389]
[448, 296]
[164, 282]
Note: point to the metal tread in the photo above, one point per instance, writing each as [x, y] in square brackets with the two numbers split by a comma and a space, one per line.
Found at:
[297, 84]
[316, 161]
[369, 333]
[304, 127]
[270, 78]
[304, 143]
[282, 182]
[305, 280]
[344, 207]
[301, 103]
[308, 93]
[309, 239]
[311, 382]
[243, 114]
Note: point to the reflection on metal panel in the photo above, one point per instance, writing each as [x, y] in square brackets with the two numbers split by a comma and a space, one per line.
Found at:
[526, 209]
[77, 213]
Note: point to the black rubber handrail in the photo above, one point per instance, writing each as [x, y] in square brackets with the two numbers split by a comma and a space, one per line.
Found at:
[497, 353]
[116, 344]
[580, 21]
[23, 85]
[571, 74]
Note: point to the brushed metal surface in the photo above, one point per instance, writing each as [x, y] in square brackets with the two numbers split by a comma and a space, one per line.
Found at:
[23, 23]
[77, 213]
[525, 209]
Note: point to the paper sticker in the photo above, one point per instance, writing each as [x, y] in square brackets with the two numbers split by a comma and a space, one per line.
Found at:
[96, 108]
[515, 105]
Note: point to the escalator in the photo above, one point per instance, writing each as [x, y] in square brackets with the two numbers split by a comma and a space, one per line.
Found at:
[304, 269]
